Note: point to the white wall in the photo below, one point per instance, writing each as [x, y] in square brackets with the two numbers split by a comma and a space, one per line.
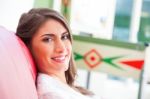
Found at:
[93, 16]
[10, 11]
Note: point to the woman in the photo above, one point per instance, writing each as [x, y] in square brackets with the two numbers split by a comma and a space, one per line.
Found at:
[47, 34]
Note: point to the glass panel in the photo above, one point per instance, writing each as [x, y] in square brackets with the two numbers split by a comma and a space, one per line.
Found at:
[122, 20]
[144, 32]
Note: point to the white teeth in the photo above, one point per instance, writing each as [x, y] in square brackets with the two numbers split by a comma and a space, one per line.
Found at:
[59, 58]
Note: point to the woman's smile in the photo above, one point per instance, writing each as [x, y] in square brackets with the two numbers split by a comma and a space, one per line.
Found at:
[59, 59]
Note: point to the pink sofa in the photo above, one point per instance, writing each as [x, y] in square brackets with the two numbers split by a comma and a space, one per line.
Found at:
[17, 70]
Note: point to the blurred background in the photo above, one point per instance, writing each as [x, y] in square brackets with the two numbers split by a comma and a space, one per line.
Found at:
[119, 22]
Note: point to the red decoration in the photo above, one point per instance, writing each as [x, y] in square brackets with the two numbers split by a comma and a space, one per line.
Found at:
[138, 64]
[92, 58]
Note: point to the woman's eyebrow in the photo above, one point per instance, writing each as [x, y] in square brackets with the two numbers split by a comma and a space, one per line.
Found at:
[51, 35]
[65, 33]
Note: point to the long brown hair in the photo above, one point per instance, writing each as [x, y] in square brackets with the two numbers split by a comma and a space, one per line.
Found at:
[30, 22]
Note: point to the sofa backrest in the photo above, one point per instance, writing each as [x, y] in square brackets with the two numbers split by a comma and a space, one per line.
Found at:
[17, 69]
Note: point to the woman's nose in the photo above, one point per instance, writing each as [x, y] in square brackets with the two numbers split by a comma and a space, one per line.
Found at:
[60, 46]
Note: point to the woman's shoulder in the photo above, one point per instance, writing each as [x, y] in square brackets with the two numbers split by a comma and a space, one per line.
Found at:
[45, 83]
[47, 86]
[44, 80]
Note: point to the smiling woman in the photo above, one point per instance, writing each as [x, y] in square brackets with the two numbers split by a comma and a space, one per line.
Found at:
[47, 35]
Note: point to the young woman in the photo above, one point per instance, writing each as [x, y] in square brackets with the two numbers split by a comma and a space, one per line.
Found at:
[47, 35]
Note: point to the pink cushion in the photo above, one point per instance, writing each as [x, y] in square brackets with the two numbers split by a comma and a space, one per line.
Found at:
[17, 70]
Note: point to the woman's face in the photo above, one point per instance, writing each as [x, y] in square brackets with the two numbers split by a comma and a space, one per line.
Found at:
[51, 47]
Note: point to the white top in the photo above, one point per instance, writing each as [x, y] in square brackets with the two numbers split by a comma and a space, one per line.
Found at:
[52, 88]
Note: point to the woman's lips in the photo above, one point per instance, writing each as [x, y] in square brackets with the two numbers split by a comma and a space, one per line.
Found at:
[59, 59]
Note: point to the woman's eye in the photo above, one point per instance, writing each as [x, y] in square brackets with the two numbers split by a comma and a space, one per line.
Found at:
[65, 37]
[47, 39]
